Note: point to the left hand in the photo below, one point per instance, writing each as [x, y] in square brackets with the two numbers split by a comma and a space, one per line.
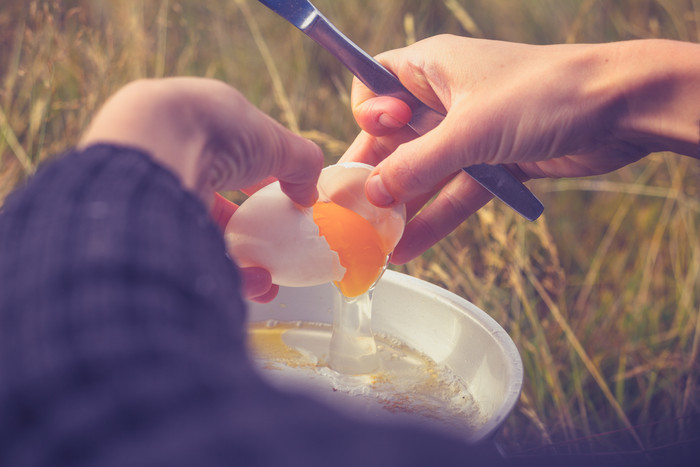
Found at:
[213, 139]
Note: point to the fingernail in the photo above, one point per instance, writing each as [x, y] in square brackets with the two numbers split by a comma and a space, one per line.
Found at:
[389, 121]
[377, 192]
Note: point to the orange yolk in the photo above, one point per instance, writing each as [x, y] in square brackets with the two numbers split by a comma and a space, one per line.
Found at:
[357, 243]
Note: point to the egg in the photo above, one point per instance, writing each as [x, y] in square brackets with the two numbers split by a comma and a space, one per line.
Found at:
[343, 238]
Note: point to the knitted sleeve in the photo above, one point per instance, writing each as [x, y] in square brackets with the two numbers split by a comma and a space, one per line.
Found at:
[122, 336]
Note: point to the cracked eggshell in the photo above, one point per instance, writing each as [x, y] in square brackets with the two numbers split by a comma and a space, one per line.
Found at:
[344, 184]
[270, 231]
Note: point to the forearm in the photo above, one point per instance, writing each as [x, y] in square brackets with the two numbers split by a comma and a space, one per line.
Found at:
[119, 312]
[659, 81]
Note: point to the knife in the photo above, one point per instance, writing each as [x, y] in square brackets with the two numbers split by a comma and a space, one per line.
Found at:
[495, 178]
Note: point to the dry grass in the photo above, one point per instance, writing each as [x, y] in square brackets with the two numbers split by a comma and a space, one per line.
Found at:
[601, 295]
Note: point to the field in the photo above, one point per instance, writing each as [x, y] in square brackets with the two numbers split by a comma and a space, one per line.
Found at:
[601, 294]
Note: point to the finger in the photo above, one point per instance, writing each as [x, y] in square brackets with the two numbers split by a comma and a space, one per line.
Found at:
[298, 174]
[410, 68]
[417, 166]
[418, 203]
[268, 296]
[257, 285]
[295, 161]
[406, 66]
[458, 200]
[359, 93]
[222, 210]
[372, 150]
[382, 115]
[247, 146]
[378, 115]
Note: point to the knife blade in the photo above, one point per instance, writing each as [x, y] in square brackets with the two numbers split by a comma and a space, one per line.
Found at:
[306, 17]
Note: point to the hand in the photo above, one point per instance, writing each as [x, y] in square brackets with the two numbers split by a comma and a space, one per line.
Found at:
[544, 111]
[213, 139]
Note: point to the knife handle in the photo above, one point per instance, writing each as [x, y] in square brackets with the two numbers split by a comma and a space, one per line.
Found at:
[368, 70]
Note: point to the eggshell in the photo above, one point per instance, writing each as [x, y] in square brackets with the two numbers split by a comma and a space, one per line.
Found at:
[268, 230]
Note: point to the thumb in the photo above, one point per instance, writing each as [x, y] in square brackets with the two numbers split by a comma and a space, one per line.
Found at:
[419, 166]
[298, 173]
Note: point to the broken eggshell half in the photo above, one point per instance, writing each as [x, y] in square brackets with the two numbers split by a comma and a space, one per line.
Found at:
[270, 231]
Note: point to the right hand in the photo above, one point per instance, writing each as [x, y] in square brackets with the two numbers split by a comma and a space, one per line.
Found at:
[544, 111]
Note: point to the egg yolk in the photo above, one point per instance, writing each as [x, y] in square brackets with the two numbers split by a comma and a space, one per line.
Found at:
[357, 243]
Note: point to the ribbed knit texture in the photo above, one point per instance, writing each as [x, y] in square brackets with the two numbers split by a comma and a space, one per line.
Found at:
[122, 337]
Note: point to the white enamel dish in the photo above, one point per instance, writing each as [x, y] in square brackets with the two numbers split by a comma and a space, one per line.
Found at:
[447, 328]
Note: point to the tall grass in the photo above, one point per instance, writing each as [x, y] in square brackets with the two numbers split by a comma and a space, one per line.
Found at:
[601, 294]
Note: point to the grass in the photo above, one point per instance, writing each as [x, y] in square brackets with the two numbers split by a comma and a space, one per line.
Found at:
[601, 295]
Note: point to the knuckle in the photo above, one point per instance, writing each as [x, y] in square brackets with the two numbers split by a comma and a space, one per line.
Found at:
[426, 231]
[460, 210]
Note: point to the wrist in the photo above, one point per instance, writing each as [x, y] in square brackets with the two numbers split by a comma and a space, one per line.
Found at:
[149, 115]
[658, 85]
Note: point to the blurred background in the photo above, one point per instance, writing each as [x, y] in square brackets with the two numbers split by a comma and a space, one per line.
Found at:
[601, 294]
